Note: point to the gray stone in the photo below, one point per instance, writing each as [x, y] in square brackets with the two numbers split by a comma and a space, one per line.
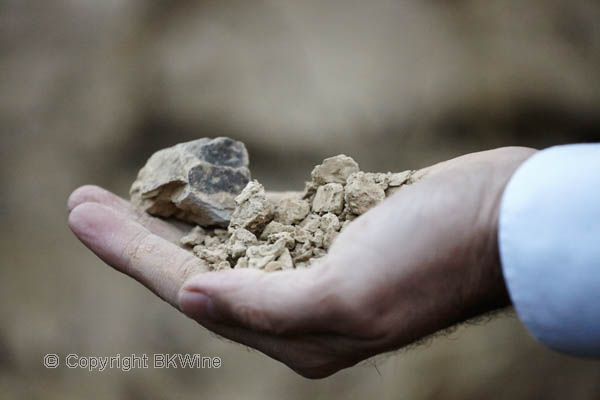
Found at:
[195, 181]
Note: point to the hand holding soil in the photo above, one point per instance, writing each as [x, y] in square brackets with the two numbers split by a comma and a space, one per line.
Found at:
[421, 260]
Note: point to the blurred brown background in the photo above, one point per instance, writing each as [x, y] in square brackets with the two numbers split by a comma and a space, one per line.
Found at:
[89, 89]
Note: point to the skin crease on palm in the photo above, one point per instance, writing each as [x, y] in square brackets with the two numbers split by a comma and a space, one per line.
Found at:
[424, 259]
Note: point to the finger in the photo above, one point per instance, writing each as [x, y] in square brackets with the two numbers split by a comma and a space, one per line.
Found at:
[276, 302]
[132, 249]
[172, 230]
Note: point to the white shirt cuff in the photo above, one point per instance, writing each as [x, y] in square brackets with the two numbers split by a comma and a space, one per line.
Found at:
[549, 240]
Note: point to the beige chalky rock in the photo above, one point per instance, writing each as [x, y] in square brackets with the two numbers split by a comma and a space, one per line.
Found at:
[398, 178]
[291, 210]
[363, 192]
[275, 227]
[242, 262]
[330, 225]
[239, 241]
[221, 233]
[311, 223]
[329, 198]
[317, 238]
[283, 262]
[195, 181]
[195, 237]
[310, 189]
[416, 176]
[278, 232]
[334, 170]
[317, 253]
[302, 252]
[214, 256]
[212, 241]
[222, 265]
[253, 210]
[288, 238]
[259, 256]
[380, 178]
[301, 235]
[329, 222]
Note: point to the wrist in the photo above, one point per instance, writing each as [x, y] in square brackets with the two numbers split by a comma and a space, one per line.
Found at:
[489, 290]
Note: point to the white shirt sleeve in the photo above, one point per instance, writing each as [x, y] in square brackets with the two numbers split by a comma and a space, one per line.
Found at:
[549, 239]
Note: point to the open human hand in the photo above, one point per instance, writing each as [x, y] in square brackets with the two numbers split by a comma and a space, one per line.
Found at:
[424, 259]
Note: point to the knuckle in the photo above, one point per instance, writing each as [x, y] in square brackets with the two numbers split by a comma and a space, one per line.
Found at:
[136, 246]
[190, 267]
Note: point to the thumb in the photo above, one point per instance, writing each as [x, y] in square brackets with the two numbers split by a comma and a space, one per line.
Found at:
[287, 302]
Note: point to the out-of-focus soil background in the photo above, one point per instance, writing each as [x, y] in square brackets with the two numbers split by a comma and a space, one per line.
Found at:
[89, 89]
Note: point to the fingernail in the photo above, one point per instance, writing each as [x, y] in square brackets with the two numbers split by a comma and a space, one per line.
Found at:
[197, 305]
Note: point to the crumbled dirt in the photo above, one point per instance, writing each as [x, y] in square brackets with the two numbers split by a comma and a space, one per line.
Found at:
[298, 229]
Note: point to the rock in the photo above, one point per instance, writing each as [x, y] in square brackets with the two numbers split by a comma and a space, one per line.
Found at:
[317, 253]
[288, 238]
[239, 241]
[195, 181]
[398, 178]
[291, 210]
[242, 235]
[221, 233]
[311, 223]
[301, 235]
[329, 222]
[330, 225]
[212, 241]
[380, 178]
[282, 263]
[334, 170]
[194, 237]
[221, 266]
[302, 252]
[292, 230]
[310, 189]
[397, 181]
[253, 209]
[213, 256]
[363, 192]
[242, 262]
[259, 256]
[416, 176]
[329, 198]
[317, 238]
[275, 227]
